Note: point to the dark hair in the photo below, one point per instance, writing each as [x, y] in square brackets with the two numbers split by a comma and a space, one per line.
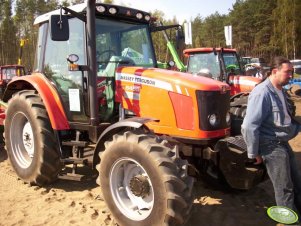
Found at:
[266, 74]
[277, 63]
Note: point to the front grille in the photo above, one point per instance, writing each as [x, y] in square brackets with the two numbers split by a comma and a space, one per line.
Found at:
[213, 102]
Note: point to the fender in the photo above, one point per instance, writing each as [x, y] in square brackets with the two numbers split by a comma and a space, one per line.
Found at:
[242, 83]
[133, 123]
[48, 94]
[238, 95]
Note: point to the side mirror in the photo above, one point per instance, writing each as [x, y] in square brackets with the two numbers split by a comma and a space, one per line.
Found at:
[180, 40]
[180, 35]
[59, 27]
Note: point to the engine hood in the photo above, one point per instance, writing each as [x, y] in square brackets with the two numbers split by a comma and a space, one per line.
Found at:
[171, 80]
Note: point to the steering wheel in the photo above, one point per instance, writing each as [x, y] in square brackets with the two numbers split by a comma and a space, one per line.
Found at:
[109, 53]
[231, 67]
[103, 61]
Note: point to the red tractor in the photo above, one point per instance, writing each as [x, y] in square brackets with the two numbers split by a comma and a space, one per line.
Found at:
[7, 72]
[109, 107]
[223, 65]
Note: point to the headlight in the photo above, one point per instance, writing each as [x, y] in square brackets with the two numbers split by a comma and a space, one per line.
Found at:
[139, 16]
[147, 17]
[213, 119]
[100, 9]
[113, 10]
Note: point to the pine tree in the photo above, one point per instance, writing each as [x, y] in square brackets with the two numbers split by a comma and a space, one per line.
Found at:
[8, 43]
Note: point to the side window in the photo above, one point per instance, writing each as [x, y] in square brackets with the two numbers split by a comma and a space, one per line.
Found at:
[37, 60]
[56, 65]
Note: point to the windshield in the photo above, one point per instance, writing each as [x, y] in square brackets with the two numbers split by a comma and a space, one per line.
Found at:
[204, 64]
[207, 64]
[125, 43]
[10, 72]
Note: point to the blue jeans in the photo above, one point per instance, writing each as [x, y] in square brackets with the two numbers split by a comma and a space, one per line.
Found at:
[283, 171]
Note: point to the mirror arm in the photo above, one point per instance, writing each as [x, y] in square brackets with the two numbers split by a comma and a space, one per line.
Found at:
[60, 22]
[73, 13]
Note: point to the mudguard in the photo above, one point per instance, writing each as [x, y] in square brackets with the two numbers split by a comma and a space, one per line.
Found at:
[48, 94]
[134, 123]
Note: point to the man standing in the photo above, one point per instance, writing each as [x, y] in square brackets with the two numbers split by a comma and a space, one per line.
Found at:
[267, 128]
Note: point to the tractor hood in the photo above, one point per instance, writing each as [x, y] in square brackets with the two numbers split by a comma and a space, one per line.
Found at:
[180, 102]
[169, 80]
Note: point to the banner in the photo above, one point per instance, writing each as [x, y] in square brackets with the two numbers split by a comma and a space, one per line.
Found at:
[188, 33]
[228, 35]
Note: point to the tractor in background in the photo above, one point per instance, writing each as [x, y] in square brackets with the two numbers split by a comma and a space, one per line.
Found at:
[223, 64]
[144, 131]
[7, 72]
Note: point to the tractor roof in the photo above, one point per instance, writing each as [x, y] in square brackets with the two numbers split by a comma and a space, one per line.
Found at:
[45, 17]
[81, 8]
[12, 66]
[188, 52]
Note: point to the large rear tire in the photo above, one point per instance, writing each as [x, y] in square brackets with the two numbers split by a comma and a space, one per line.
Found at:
[144, 182]
[29, 139]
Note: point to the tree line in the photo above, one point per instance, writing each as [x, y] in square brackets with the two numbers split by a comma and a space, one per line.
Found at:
[260, 29]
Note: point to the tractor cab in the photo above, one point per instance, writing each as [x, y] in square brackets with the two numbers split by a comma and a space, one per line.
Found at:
[219, 62]
[122, 38]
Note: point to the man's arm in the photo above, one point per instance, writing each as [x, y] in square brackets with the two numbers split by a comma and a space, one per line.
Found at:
[257, 112]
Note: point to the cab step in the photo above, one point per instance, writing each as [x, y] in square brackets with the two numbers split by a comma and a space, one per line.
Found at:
[73, 175]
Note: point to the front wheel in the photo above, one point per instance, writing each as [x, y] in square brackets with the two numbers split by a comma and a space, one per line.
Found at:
[29, 139]
[144, 182]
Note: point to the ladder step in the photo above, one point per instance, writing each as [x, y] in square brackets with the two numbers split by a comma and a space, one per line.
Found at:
[74, 161]
[75, 143]
[72, 176]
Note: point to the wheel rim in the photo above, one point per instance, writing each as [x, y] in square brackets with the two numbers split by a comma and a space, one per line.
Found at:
[22, 140]
[127, 178]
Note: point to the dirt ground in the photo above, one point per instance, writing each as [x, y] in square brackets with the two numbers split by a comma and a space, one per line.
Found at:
[81, 203]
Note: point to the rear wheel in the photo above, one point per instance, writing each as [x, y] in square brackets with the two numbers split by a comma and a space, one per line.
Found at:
[144, 182]
[29, 139]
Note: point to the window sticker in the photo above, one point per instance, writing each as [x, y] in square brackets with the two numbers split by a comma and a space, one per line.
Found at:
[74, 102]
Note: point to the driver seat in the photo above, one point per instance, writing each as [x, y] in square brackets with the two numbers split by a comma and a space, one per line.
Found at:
[109, 73]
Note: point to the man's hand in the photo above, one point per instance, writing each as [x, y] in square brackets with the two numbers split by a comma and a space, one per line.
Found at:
[258, 159]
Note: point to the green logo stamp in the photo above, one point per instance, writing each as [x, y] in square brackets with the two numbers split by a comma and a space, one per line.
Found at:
[282, 215]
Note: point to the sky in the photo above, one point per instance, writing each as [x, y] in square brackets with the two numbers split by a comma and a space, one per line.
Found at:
[182, 9]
